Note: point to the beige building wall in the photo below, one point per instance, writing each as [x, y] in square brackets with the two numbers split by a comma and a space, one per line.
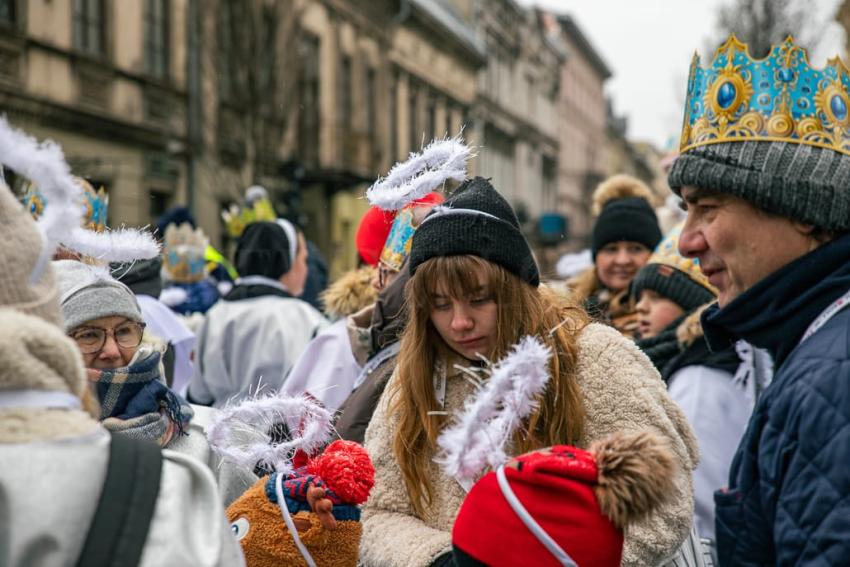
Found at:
[118, 125]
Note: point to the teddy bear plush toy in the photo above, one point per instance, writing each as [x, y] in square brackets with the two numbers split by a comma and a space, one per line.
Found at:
[306, 513]
[322, 504]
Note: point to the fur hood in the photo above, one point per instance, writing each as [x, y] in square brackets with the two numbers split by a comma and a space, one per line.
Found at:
[350, 293]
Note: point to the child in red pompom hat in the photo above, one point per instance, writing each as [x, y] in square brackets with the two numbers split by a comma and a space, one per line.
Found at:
[563, 505]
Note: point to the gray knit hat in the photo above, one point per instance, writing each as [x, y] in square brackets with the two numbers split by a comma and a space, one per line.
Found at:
[89, 293]
[797, 181]
[19, 253]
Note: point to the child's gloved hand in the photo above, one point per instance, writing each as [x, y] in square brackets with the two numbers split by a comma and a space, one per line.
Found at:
[321, 506]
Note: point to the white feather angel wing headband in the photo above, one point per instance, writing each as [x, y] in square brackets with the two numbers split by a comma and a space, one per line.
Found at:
[44, 164]
[423, 172]
[478, 436]
[239, 433]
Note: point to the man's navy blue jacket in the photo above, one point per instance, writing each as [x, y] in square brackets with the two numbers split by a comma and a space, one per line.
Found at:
[788, 500]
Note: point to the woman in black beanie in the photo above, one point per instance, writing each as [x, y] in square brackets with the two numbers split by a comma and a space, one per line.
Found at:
[474, 291]
[624, 235]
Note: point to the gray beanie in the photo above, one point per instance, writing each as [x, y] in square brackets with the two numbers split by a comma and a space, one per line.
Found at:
[804, 183]
[19, 254]
[89, 292]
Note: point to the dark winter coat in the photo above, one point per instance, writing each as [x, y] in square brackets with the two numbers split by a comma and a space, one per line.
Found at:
[788, 501]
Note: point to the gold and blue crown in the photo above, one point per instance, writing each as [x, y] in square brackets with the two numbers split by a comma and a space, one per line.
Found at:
[96, 204]
[237, 218]
[778, 98]
[183, 254]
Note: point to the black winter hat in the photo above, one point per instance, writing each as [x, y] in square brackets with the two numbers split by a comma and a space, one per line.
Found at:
[263, 250]
[631, 219]
[475, 220]
[675, 285]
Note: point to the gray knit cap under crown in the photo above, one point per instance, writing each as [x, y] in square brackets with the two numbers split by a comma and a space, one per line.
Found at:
[801, 182]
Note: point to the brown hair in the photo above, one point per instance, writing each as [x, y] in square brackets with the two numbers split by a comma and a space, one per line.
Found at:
[521, 310]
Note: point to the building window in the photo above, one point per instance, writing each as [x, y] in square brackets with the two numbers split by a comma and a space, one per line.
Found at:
[413, 117]
[449, 129]
[225, 49]
[308, 98]
[371, 115]
[7, 12]
[160, 201]
[430, 118]
[89, 26]
[156, 37]
[345, 109]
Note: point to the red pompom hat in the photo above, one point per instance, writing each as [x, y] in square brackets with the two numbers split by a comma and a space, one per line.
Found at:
[581, 499]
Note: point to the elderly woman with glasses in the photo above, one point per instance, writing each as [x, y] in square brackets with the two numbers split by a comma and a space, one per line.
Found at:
[124, 368]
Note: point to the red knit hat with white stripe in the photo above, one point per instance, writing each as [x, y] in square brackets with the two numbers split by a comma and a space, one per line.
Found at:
[564, 503]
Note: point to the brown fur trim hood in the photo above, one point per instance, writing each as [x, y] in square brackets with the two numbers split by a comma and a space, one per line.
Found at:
[350, 293]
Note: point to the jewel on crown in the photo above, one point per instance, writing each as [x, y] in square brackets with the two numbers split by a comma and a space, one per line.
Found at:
[779, 98]
[183, 253]
[96, 204]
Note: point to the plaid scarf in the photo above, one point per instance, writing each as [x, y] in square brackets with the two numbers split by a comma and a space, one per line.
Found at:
[135, 402]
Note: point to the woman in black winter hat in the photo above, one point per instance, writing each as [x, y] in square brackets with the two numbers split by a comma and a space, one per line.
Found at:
[474, 291]
[624, 235]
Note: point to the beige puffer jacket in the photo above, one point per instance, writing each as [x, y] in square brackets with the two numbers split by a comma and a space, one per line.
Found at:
[621, 392]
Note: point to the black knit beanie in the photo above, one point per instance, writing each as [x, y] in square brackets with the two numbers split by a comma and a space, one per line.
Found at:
[475, 220]
[675, 285]
[629, 219]
[797, 181]
[263, 250]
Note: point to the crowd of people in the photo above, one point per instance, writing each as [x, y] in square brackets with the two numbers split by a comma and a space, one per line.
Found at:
[694, 407]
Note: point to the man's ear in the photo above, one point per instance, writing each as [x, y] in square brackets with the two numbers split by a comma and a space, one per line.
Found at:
[803, 228]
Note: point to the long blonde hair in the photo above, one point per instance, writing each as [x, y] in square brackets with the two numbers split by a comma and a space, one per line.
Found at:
[521, 310]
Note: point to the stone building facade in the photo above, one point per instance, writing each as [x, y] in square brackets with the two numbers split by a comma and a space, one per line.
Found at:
[582, 123]
[110, 86]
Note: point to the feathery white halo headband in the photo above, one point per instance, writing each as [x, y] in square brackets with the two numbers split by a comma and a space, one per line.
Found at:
[423, 172]
[491, 415]
[255, 417]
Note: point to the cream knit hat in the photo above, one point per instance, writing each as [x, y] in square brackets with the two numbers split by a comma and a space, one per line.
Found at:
[19, 254]
[36, 355]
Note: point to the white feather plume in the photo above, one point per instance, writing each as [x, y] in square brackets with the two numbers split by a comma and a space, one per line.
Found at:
[44, 165]
[118, 245]
[490, 417]
[423, 172]
[239, 433]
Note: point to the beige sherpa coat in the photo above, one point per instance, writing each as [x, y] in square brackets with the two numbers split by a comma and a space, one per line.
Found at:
[621, 392]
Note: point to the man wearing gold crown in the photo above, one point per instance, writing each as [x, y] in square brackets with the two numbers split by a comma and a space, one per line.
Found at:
[764, 173]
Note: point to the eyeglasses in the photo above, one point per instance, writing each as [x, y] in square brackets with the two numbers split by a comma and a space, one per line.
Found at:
[90, 340]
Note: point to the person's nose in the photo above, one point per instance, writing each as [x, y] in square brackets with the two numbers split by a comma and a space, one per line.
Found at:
[623, 257]
[461, 319]
[110, 349]
[691, 240]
